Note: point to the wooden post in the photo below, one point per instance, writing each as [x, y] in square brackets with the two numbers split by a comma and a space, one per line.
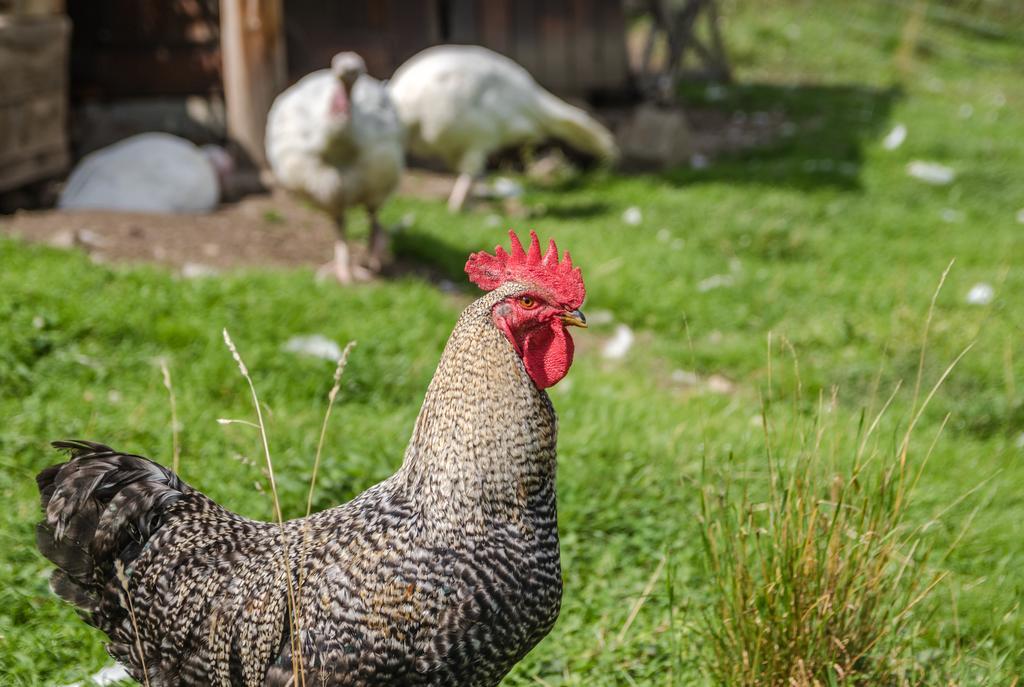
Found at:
[33, 95]
[252, 48]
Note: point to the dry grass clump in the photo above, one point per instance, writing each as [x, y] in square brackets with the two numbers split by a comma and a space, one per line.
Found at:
[816, 574]
[814, 583]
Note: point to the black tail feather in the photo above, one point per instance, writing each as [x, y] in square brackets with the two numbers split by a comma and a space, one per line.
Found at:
[100, 507]
[67, 588]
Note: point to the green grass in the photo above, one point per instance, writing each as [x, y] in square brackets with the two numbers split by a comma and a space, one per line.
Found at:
[830, 246]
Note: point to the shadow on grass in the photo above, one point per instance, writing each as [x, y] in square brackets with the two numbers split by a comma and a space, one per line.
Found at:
[807, 136]
[998, 24]
[426, 257]
[574, 210]
[810, 136]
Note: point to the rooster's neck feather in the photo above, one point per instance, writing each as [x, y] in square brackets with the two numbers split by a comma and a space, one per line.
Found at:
[482, 452]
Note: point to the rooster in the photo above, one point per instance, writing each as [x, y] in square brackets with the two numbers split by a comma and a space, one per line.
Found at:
[461, 103]
[334, 137]
[446, 573]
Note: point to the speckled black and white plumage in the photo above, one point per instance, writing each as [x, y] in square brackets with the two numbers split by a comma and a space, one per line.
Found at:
[447, 573]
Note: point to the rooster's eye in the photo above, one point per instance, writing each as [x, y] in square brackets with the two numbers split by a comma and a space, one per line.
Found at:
[528, 302]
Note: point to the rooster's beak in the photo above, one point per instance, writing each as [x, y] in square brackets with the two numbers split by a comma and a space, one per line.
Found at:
[574, 318]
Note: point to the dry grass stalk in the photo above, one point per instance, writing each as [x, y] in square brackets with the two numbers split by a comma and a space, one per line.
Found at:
[331, 396]
[639, 603]
[910, 36]
[295, 635]
[123, 579]
[175, 442]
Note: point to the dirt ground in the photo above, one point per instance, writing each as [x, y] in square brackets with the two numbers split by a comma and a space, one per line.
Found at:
[278, 229]
[265, 229]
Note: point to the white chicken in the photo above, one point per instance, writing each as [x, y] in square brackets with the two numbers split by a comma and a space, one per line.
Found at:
[461, 103]
[334, 137]
[151, 172]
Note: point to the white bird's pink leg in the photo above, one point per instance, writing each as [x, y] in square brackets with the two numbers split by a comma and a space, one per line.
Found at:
[460, 192]
[379, 244]
[471, 166]
[343, 267]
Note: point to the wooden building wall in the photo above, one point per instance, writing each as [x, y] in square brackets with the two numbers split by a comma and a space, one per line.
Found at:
[384, 32]
[139, 48]
[572, 47]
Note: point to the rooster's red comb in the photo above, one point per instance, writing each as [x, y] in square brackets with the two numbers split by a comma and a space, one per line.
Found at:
[559, 278]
